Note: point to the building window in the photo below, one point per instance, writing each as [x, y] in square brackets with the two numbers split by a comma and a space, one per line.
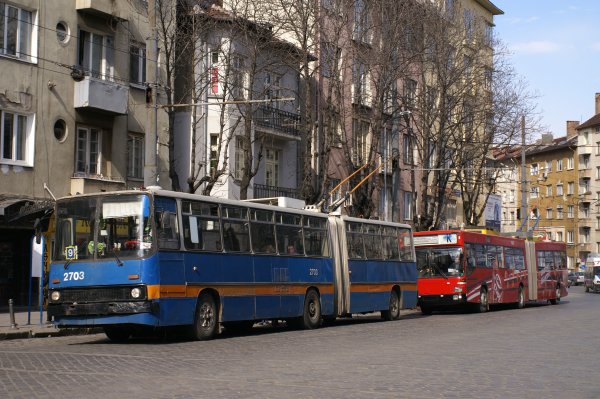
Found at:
[559, 236]
[408, 149]
[410, 92]
[584, 236]
[360, 137]
[16, 32]
[214, 153]
[559, 213]
[16, 138]
[96, 55]
[535, 192]
[585, 211]
[534, 169]
[559, 189]
[549, 191]
[272, 167]
[407, 206]
[559, 165]
[570, 237]
[570, 211]
[238, 77]
[272, 86]
[361, 22]
[330, 60]
[570, 188]
[135, 156]
[549, 214]
[489, 33]
[570, 163]
[62, 32]
[598, 148]
[360, 84]
[240, 157]
[137, 63]
[548, 166]
[585, 186]
[469, 21]
[88, 153]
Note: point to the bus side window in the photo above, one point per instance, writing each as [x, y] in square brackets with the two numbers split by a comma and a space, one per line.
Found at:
[168, 233]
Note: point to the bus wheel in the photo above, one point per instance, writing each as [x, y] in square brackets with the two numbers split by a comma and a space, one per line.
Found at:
[205, 323]
[312, 311]
[393, 312]
[117, 334]
[521, 300]
[556, 299]
[426, 310]
[483, 301]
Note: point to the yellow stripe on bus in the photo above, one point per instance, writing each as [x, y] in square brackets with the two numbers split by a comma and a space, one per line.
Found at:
[185, 291]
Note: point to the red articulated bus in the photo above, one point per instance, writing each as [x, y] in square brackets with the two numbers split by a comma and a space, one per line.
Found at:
[459, 268]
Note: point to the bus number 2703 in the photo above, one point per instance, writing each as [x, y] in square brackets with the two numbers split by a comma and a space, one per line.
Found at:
[73, 276]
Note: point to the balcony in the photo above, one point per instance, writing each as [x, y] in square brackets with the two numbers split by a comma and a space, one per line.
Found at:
[279, 122]
[84, 184]
[101, 95]
[100, 8]
[264, 191]
[584, 148]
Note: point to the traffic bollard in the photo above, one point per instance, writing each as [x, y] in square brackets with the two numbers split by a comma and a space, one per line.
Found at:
[11, 311]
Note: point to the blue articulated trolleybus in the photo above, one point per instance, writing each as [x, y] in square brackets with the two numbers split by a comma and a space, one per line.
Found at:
[132, 261]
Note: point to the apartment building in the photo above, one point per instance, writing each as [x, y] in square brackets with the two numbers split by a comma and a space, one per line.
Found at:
[554, 203]
[589, 178]
[244, 84]
[74, 113]
[507, 187]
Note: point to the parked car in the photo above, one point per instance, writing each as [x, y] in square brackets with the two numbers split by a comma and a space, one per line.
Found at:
[572, 279]
[576, 278]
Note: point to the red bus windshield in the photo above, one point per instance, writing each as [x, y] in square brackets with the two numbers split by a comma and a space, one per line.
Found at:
[440, 262]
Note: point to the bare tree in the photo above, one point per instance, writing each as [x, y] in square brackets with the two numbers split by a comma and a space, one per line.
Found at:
[466, 106]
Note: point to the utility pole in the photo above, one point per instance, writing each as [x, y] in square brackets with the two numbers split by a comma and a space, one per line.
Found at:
[524, 215]
[151, 137]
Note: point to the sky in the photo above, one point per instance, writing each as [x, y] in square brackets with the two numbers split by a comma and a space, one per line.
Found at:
[555, 48]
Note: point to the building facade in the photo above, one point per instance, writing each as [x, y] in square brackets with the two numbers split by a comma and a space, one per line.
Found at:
[74, 113]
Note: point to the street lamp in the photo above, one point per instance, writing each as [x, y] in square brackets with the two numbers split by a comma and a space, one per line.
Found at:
[385, 160]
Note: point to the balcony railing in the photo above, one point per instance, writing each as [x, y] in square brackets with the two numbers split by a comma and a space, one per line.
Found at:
[279, 120]
[264, 191]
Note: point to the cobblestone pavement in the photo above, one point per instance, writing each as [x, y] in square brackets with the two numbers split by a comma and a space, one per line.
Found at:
[538, 352]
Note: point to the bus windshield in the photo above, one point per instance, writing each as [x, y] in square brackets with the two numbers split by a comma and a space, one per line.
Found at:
[440, 262]
[116, 226]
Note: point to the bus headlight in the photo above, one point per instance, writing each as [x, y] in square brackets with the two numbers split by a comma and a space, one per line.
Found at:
[55, 296]
[136, 293]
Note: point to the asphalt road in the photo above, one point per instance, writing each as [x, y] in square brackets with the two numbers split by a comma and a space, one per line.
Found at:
[541, 351]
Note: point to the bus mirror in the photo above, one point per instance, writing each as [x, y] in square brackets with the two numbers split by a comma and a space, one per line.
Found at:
[40, 226]
[38, 231]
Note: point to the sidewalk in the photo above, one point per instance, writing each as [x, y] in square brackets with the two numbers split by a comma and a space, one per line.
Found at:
[34, 329]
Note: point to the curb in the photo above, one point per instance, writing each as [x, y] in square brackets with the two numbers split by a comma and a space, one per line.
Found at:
[52, 332]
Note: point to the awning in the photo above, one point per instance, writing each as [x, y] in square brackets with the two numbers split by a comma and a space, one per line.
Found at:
[34, 209]
[7, 205]
[24, 210]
